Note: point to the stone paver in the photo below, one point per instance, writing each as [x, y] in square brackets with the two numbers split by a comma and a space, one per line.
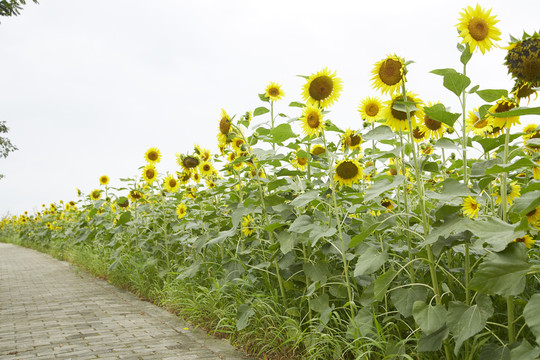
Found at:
[50, 311]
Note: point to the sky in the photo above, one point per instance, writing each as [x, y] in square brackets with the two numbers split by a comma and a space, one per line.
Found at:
[88, 86]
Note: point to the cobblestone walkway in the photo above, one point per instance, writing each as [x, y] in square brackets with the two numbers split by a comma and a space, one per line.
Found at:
[50, 311]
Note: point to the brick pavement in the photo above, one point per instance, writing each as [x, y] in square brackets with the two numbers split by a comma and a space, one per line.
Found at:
[50, 311]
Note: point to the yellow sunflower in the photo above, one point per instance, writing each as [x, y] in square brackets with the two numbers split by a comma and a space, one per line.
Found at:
[388, 74]
[397, 119]
[204, 154]
[418, 134]
[224, 128]
[274, 91]
[184, 177]
[135, 195]
[536, 170]
[524, 91]
[149, 173]
[426, 149]
[171, 184]
[312, 121]
[523, 61]
[351, 140]
[530, 132]
[322, 89]
[513, 191]
[503, 105]
[238, 165]
[527, 240]
[371, 109]
[477, 28]
[318, 150]
[388, 204]
[299, 162]
[247, 226]
[477, 126]
[181, 210]
[210, 183]
[188, 162]
[104, 180]
[347, 172]
[95, 194]
[152, 155]
[533, 216]
[239, 144]
[470, 207]
[433, 129]
[206, 169]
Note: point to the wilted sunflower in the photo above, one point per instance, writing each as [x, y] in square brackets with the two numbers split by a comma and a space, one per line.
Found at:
[477, 126]
[347, 172]
[470, 207]
[274, 92]
[388, 74]
[171, 184]
[397, 119]
[523, 59]
[224, 127]
[524, 91]
[149, 173]
[477, 28]
[503, 105]
[206, 169]
[527, 240]
[103, 179]
[181, 210]
[95, 194]
[299, 162]
[318, 150]
[247, 227]
[152, 155]
[322, 89]
[351, 140]
[432, 128]
[513, 191]
[312, 121]
[371, 109]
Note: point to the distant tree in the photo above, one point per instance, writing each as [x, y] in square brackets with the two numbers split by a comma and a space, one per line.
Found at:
[5, 145]
[12, 7]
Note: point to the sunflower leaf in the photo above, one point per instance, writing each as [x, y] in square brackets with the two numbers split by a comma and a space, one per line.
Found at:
[438, 112]
[263, 97]
[297, 104]
[260, 110]
[281, 133]
[383, 185]
[453, 81]
[530, 313]
[518, 112]
[382, 132]
[527, 202]
[490, 95]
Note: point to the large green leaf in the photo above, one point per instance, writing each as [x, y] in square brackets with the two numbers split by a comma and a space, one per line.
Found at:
[358, 238]
[527, 202]
[317, 272]
[305, 198]
[260, 110]
[438, 112]
[450, 189]
[453, 81]
[287, 241]
[525, 351]
[454, 224]
[503, 273]
[428, 317]
[494, 352]
[244, 313]
[370, 261]
[383, 185]
[382, 283]
[493, 232]
[302, 224]
[489, 144]
[404, 298]
[531, 314]
[281, 133]
[381, 132]
[124, 218]
[465, 321]
[433, 341]
[490, 95]
[518, 165]
[518, 112]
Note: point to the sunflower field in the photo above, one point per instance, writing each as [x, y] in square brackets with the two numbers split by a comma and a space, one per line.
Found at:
[412, 237]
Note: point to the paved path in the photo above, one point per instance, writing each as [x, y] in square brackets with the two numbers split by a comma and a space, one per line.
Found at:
[50, 311]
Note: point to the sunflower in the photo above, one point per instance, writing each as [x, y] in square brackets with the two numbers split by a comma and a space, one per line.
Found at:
[418, 134]
[523, 60]
[477, 28]
[347, 172]
[274, 92]
[494, 132]
[370, 109]
[533, 216]
[397, 119]
[393, 168]
[239, 144]
[470, 207]
[351, 140]
[247, 226]
[188, 162]
[318, 150]
[477, 126]
[190, 193]
[171, 184]
[536, 170]
[388, 74]
[524, 91]
[135, 195]
[184, 177]
[503, 105]
[181, 210]
[432, 128]
[152, 155]
[531, 132]
[149, 173]
[103, 179]
[95, 194]
[388, 204]
[206, 169]
[204, 154]
[322, 89]
[513, 191]
[237, 165]
[299, 162]
[196, 177]
[426, 149]
[224, 127]
[312, 121]
[210, 183]
[527, 240]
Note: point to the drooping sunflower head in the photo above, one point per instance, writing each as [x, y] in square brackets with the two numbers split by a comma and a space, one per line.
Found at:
[531, 131]
[396, 118]
[347, 172]
[470, 207]
[523, 60]
[477, 28]
[171, 184]
[388, 74]
[503, 105]
[187, 162]
[527, 240]
[524, 91]
[152, 155]
[95, 194]
[149, 173]
[181, 210]
[322, 88]
[274, 91]
[184, 177]
[351, 140]
[103, 179]
[371, 109]
[312, 121]
[478, 126]
[300, 160]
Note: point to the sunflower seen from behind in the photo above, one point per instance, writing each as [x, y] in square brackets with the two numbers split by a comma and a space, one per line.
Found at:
[523, 61]
[477, 28]
[224, 128]
[322, 89]
[388, 75]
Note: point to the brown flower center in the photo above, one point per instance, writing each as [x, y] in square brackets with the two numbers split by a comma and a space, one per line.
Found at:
[301, 161]
[386, 203]
[431, 124]
[273, 91]
[172, 183]
[418, 133]
[207, 167]
[149, 174]
[354, 140]
[372, 110]
[190, 162]
[224, 125]
[313, 120]
[152, 156]
[347, 170]
[318, 150]
[391, 72]
[480, 124]
[321, 87]
[478, 28]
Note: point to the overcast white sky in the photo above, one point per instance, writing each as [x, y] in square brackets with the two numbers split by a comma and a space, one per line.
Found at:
[88, 86]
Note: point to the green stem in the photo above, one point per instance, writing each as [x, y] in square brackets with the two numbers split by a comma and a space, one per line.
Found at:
[510, 311]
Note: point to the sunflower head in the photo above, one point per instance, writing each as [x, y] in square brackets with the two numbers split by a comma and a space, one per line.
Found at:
[476, 125]
[152, 155]
[477, 28]
[274, 91]
[396, 118]
[187, 162]
[149, 173]
[388, 204]
[470, 207]
[347, 172]
[322, 88]
[206, 169]
[312, 121]
[523, 60]
[135, 195]
[247, 226]
[181, 210]
[503, 105]
[95, 194]
[527, 240]
[418, 134]
[171, 184]
[103, 179]
[432, 128]
[300, 160]
[388, 74]
[351, 140]
[318, 150]
[370, 109]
